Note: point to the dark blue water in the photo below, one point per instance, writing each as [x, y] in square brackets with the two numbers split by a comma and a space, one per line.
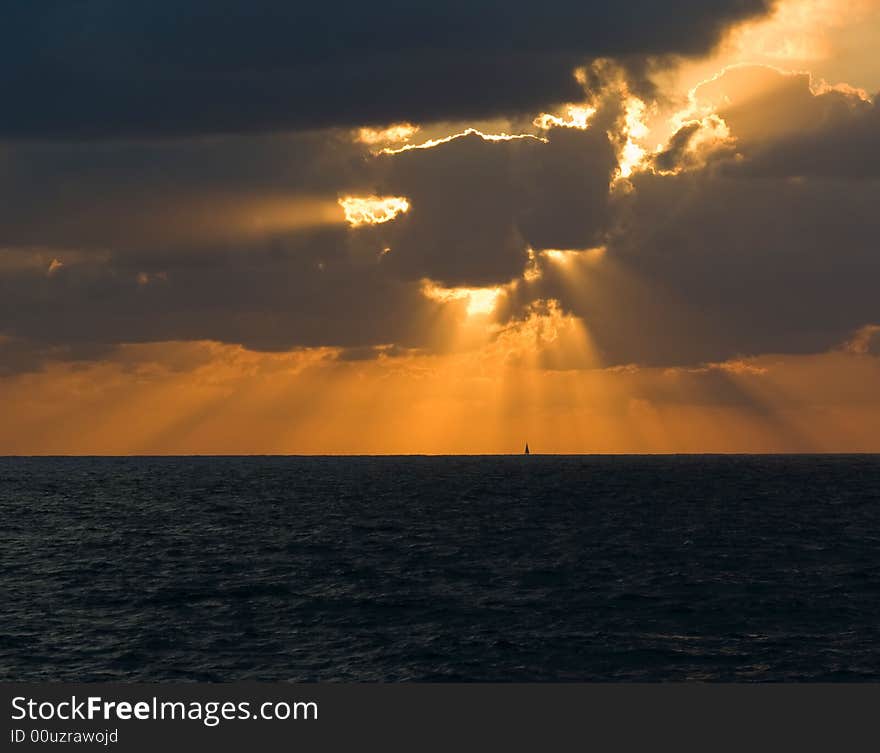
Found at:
[450, 568]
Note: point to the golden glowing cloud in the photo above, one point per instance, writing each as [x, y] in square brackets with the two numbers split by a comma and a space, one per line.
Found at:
[532, 270]
[392, 134]
[576, 116]
[632, 154]
[832, 41]
[372, 210]
[479, 301]
[565, 258]
[835, 40]
[631, 129]
[431, 143]
[862, 340]
[798, 30]
[568, 255]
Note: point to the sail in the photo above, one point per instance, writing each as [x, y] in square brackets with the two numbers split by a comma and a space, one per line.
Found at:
[527, 449]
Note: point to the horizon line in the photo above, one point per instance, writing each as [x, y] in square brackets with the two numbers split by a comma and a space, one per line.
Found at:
[802, 453]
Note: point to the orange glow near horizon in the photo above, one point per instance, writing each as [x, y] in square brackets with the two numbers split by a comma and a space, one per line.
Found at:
[207, 398]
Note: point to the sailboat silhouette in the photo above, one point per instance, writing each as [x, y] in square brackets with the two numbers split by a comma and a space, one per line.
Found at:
[527, 449]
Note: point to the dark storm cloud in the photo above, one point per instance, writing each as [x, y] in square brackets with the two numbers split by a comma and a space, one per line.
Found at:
[137, 265]
[850, 152]
[742, 256]
[675, 153]
[477, 206]
[762, 104]
[770, 248]
[98, 68]
[872, 346]
[748, 266]
[161, 197]
[20, 355]
[715, 264]
[833, 134]
[784, 127]
[315, 290]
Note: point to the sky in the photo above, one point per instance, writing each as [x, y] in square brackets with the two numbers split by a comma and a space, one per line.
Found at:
[243, 228]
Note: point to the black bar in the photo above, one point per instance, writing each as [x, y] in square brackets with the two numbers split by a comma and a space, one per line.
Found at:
[452, 717]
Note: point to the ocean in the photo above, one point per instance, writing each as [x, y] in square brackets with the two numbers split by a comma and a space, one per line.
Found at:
[500, 568]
